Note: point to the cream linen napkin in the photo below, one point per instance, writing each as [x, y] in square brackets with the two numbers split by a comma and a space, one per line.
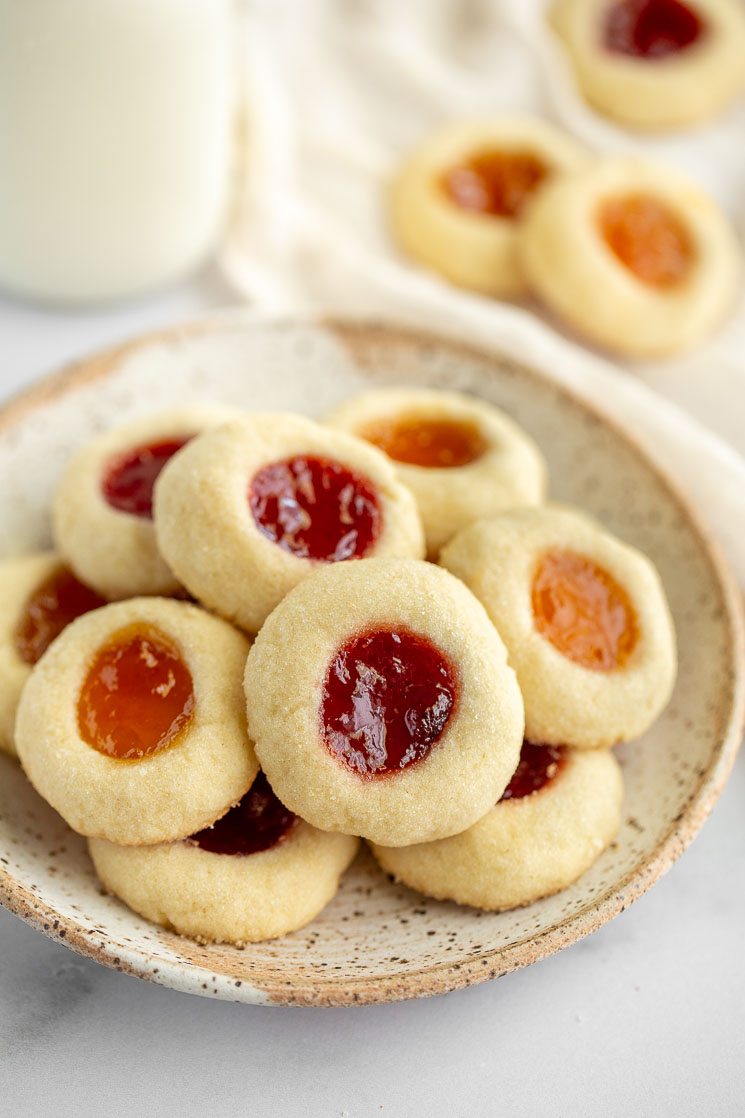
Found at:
[336, 91]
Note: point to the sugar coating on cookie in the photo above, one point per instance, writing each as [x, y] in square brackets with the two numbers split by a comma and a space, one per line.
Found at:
[102, 510]
[132, 725]
[529, 845]
[457, 200]
[584, 618]
[258, 873]
[462, 458]
[39, 596]
[655, 64]
[633, 256]
[250, 509]
[381, 703]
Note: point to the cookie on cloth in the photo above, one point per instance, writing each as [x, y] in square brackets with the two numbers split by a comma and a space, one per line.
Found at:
[634, 256]
[559, 812]
[584, 617]
[39, 596]
[102, 510]
[251, 508]
[462, 458]
[132, 725]
[258, 873]
[458, 199]
[655, 64]
[381, 703]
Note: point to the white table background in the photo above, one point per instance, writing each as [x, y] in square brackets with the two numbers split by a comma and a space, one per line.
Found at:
[643, 1018]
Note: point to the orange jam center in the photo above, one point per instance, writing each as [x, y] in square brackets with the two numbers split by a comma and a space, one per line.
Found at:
[54, 603]
[495, 182]
[647, 238]
[583, 612]
[138, 695]
[439, 443]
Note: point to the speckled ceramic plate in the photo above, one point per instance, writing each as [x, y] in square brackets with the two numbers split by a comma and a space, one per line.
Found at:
[377, 941]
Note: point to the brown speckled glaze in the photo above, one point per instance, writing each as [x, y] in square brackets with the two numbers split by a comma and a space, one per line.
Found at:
[377, 941]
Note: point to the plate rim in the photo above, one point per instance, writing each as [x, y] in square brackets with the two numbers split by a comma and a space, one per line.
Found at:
[439, 977]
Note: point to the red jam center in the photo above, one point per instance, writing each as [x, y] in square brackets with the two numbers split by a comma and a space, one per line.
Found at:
[387, 698]
[651, 28]
[495, 182]
[647, 238]
[257, 823]
[537, 766]
[138, 695]
[433, 443]
[51, 607]
[128, 482]
[583, 611]
[316, 508]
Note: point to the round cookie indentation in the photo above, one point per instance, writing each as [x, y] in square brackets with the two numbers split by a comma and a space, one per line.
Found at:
[315, 508]
[538, 765]
[581, 609]
[494, 182]
[647, 238]
[128, 481]
[138, 695]
[429, 442]
[387, 698]
[258, 822]
[50, 607]
[651, 28]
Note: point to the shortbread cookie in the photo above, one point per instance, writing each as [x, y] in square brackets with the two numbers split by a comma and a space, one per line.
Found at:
[258, 873]
[559, 812]
[132, 725]
[458, 199]
[634, 256]
[584, 618]
[463, 459]
[102, 512]
[654, 64]
[249, 509]
[39, 596]
[381, 703]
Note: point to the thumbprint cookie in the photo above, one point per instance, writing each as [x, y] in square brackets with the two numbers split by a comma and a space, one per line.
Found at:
[102, 511]
[132, 725]
[458, 200]
[655, 64]
[381, 702]
[249, 509]
[39, 596]
[463, 459]
[633, 256]
[584, 618]
[559, 812]
[258, 873]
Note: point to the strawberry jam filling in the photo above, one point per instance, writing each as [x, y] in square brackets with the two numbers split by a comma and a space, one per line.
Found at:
[432, 443]
[387, 698]
[55, 602]
[137, 697]
[497, 183]
[583, 612]
[128, 482]
[651, 28]
[647, 238]
[316, 508]
[257, 823]
[537, 766]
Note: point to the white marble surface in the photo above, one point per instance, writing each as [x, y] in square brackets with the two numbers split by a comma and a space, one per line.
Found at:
[642, 1018]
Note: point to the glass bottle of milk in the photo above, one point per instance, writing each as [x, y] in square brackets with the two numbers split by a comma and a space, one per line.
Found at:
[116, 129]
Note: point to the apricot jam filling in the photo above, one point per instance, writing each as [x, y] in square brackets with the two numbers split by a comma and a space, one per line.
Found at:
[495, 182]
[257, 823]
[387, 698]
[128, 482]
[538, 765]
[647, 238]
[51, 607]
[316, 508]
[651, 28]
[432, 443]
[137, 697]
[583, 612]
